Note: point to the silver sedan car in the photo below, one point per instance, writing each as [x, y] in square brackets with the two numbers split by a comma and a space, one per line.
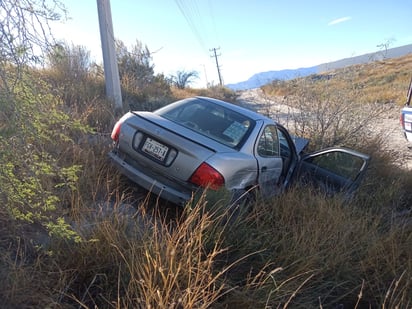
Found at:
[202, 142]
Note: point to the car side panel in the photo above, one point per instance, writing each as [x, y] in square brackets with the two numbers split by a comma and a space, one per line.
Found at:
[239, 169]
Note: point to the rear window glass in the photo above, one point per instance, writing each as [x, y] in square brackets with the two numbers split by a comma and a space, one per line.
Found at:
[212, 120]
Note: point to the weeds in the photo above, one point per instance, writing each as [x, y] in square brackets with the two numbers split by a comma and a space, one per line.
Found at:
[114, 246]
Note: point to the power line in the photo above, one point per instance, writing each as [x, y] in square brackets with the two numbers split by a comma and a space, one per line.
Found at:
[200, 19]
[212, 18]
[188, 13]
[192, 14]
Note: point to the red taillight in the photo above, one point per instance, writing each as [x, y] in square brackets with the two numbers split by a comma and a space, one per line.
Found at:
[116, 131]
[402, 121]
[207, 176]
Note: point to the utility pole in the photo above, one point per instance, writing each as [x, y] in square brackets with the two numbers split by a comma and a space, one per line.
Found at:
[111, 71]
[217, 64]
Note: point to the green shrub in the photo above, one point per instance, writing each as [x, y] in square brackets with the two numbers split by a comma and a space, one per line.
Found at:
[33, 171]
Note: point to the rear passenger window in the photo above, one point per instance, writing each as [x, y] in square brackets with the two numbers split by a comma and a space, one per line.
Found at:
[268, 145]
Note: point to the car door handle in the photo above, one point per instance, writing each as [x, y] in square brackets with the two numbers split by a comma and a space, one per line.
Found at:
[264, 169]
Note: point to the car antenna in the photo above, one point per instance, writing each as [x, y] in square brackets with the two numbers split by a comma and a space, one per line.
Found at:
[409, 95]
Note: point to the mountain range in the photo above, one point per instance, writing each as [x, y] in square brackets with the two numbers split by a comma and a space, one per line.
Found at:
[263, 78]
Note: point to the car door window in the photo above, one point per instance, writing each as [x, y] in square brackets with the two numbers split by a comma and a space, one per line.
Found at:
[287, 153]
[334, 170]
[269, 162]
[268, 145]
[340, 163]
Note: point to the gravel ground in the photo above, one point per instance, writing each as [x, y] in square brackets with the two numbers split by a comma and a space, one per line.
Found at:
[387, 126]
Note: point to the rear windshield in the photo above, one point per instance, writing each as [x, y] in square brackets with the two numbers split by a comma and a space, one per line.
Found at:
[212, 120]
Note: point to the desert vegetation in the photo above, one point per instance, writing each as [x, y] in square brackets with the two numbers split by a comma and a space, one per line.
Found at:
[76, 234]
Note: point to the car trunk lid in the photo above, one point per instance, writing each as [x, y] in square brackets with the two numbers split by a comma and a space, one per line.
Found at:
[167, 148]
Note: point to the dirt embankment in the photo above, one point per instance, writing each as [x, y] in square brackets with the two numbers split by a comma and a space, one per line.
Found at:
[387, 125]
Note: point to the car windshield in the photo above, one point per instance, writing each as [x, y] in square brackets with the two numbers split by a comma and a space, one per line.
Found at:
[212, 120]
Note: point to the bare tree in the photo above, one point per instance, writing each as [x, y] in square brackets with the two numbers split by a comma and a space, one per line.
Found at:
[385, 46]
[136, 65]
[70, 58]
[25, 34]
[70, 69]
[182, 79]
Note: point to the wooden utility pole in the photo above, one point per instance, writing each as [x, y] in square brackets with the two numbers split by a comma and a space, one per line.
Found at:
[217, 65]
[111, 71]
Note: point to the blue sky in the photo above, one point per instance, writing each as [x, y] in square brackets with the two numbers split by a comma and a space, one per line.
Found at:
[252, 36]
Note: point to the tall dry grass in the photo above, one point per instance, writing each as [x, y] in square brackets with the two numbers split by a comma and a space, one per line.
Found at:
[383, 81]
[299, 250]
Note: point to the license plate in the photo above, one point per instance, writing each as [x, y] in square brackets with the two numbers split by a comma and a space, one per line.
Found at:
[155, 149]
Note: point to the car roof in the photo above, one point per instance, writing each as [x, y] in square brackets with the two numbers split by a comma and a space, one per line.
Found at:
[247, 112]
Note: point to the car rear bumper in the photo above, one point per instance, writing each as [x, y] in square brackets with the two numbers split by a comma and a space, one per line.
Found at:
[408, 136]
[148, 183]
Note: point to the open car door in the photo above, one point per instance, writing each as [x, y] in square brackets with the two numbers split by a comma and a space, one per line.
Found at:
[333, 170]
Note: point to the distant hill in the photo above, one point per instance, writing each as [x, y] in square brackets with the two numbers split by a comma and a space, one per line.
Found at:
[366, 58]
[264, 78]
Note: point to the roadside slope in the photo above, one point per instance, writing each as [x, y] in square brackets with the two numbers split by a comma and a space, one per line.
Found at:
[387, 126]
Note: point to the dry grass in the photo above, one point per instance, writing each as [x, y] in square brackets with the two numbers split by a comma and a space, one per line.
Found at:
[341, 107]
[383, 81]
[216, 92]
[299, 250]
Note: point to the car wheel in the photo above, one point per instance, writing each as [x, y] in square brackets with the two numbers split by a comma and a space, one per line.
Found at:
[244, 199]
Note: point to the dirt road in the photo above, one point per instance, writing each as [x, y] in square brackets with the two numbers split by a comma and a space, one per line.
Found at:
[387, 126]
